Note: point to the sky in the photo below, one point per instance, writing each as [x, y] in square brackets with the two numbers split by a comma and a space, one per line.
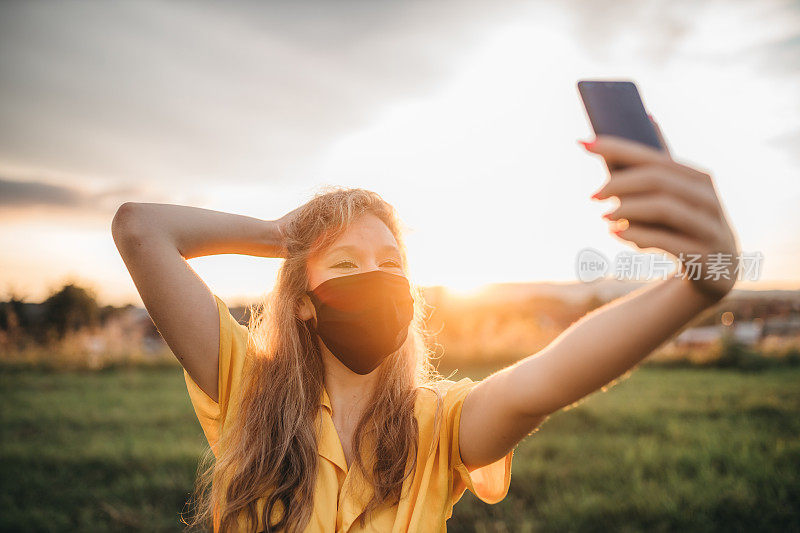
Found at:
[463, 115]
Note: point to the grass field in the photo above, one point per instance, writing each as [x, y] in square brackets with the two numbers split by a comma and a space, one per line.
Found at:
[665, 450]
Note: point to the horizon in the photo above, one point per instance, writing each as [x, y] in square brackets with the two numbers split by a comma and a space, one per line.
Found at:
[473, 293]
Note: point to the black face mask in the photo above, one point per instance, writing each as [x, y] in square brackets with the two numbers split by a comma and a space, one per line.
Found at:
[363, 318]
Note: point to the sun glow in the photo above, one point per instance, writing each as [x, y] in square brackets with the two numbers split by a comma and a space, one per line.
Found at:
[465, 289]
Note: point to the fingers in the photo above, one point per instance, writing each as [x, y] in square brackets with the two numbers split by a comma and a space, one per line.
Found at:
[651, 179]
[664, 204]
[666, 211]
[645, 237]
[621, 152]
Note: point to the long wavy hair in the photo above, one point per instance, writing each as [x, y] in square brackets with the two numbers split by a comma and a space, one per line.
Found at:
[266, 467]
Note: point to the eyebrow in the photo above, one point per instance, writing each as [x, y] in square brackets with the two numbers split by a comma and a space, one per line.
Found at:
[354, 249]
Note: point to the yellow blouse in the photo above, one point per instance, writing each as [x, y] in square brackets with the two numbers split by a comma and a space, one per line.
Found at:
[440, 479]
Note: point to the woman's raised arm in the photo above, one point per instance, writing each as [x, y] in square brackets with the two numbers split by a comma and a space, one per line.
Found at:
[670, 207]
[155, 240]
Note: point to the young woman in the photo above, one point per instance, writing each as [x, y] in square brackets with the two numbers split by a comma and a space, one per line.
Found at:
[325, 414]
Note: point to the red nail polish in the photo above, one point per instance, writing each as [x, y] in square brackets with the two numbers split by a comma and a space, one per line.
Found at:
[607, 216]
[587, 144]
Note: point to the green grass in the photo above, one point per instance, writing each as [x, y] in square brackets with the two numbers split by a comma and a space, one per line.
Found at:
[665, 450]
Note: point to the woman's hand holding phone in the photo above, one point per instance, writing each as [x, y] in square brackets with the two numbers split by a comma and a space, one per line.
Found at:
[668, 206]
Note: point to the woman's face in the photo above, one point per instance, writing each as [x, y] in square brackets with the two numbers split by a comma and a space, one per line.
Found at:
[366, 245]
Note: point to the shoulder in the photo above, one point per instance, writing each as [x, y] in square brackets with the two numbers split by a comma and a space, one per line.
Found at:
[230, 327]
[441, 396]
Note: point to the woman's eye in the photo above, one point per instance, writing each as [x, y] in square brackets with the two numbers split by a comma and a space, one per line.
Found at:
[344, 263]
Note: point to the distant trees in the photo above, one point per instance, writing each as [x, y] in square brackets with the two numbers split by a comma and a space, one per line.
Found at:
[69, 309]
[70, 329]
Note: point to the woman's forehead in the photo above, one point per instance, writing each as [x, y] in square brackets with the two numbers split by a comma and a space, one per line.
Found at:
[366, 234]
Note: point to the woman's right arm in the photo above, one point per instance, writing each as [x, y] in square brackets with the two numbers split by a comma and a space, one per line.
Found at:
[155, 240]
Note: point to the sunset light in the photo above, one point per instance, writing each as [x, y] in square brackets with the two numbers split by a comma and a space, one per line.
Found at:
[473, 141]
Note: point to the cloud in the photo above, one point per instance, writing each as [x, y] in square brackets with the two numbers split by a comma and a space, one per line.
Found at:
[21, 193]
[17, 195]
[200, 91]
[194, 92]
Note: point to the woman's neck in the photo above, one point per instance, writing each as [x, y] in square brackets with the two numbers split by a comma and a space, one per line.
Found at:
[348, 392]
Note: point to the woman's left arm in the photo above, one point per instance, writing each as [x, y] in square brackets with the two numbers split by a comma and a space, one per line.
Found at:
[668, 206]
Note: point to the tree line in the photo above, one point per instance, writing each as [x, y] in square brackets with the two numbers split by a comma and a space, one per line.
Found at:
[68, 309]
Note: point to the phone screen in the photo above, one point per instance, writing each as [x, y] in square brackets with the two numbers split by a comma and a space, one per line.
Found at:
[616, 108]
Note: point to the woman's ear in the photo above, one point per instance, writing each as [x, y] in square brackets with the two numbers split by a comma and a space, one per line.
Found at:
[306, 309]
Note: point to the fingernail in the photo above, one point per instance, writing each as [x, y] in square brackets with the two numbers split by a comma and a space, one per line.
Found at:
[595, 196]
[607, 216]
[587, 144]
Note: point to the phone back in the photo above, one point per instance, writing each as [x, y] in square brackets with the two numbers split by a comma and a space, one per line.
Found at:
[616, 108]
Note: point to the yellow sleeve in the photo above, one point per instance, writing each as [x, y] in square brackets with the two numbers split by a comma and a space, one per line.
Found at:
[489, 483]
[232, 352]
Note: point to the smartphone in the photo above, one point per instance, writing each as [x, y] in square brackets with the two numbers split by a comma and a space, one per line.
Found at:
[616, 108]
